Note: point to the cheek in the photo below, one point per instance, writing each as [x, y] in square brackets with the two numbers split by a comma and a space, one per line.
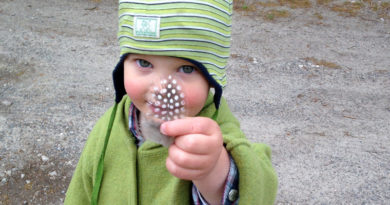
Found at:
[135, 90]
[195, 100]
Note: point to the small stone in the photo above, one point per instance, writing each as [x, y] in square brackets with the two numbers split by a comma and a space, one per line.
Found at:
[254, 60]
[44, 158]
[6, 103]
[53, 173]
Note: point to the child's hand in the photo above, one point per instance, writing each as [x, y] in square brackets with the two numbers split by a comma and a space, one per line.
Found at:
[197, 147]
[198, 154]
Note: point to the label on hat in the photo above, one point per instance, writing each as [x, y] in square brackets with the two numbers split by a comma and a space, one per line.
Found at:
[146, 27]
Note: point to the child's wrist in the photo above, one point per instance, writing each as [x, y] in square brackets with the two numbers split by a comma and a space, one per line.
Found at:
[212, 185]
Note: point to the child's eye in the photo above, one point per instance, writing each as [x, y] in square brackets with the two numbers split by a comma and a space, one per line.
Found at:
[143, 63]
[187, 69]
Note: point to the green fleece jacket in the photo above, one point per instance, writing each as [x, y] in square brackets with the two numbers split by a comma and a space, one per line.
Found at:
[138, 175]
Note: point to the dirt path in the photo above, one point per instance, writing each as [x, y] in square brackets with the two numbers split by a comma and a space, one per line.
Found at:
[311, 80]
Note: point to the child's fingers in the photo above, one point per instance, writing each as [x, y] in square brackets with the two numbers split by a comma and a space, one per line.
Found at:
[188, 160]
[183, 173]
[196, 135]
[199, 144]
[191, 125]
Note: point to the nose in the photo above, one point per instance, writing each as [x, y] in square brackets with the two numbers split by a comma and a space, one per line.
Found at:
[162, 76]
[167, 99]
[164, 73]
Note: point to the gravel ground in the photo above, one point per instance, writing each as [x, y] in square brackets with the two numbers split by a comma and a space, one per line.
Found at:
[312, 81]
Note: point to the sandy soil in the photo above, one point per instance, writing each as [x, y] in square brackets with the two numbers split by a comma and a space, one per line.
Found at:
[312, 81]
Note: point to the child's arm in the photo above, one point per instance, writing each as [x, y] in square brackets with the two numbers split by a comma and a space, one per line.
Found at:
[198, 154]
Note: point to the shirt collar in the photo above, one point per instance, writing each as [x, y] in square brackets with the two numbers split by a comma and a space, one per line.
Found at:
[134, 124]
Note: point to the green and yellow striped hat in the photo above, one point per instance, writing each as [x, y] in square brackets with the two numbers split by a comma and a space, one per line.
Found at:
[195, 30]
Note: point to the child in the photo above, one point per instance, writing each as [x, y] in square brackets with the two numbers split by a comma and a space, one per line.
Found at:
[210, 161]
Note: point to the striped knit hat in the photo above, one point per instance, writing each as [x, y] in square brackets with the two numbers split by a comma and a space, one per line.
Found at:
[195, 30]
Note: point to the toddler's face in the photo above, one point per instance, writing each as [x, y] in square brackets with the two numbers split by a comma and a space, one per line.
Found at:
[143, 72]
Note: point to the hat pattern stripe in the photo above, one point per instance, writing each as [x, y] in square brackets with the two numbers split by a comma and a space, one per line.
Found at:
[166, 27]
[190, 15]
[176, 2]
[196, 28]
[168, 8]
[176, 49]
[175, 39]
[187, 27]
